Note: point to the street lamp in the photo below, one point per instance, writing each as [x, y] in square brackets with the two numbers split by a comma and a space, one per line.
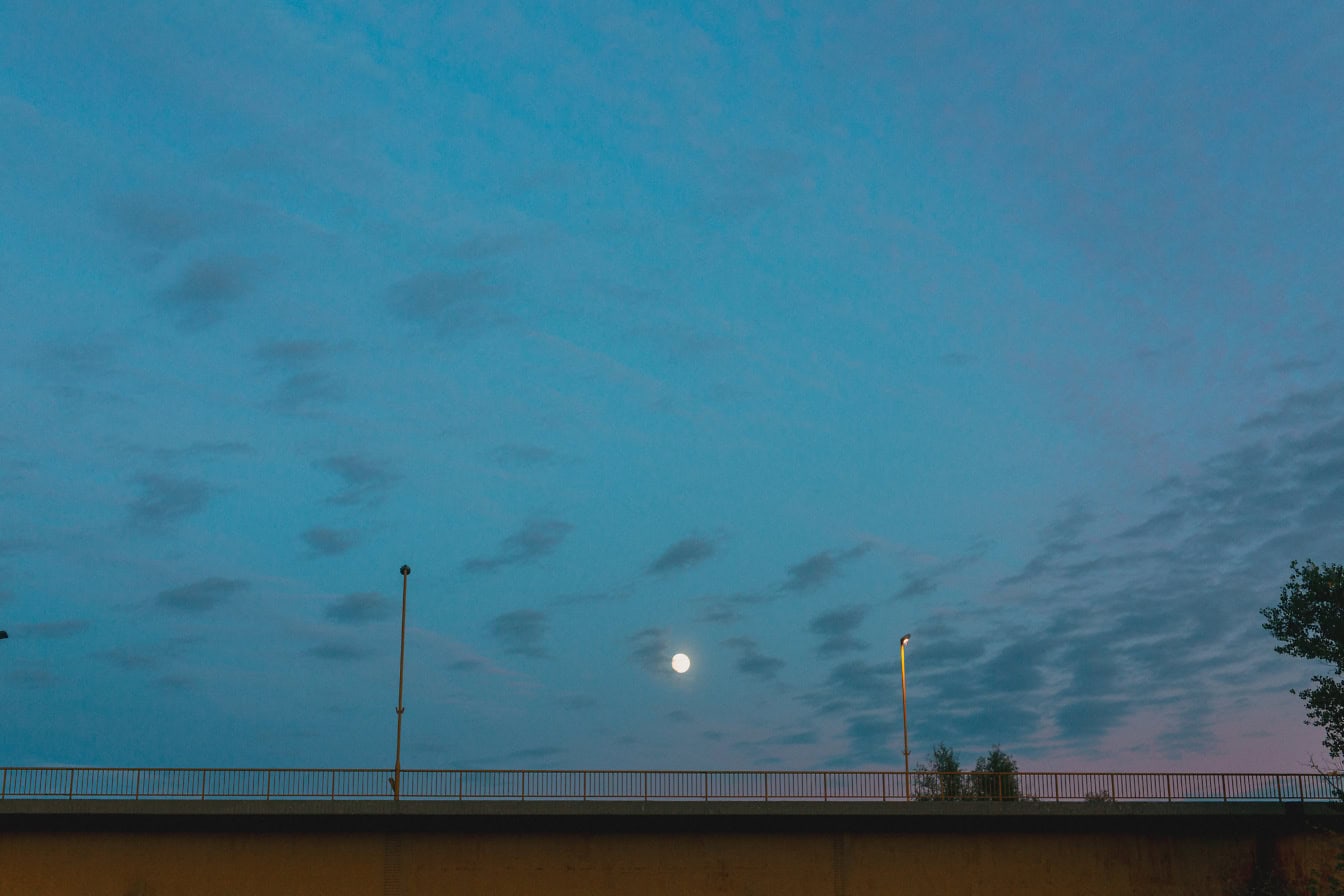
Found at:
[395, 780]
[905, 730]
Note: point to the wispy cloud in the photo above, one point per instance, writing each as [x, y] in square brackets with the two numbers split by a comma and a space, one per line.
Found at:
[361, 608]
[129, 660]
[1061, 538]
[203, 450]
[302, 389]
[202, 595]
[489, 245]
[751, 661]
[65, 628]
[367, 480]
[837, 628]
[339, 652]
[323, 542]
[534, 540]
[683, 555]
[516, 456]
[521, 632]
[916, 586]
[202, 292]
[650, 651]
[446, 302]
[150, 220]
[166, 499]
[821, 568]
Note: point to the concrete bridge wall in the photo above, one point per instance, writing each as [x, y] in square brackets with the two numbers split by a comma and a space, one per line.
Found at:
[678, 849]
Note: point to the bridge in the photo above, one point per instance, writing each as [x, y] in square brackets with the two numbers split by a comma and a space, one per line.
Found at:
[206, 831]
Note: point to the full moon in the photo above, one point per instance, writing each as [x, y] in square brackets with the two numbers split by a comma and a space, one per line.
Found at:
[680, 663]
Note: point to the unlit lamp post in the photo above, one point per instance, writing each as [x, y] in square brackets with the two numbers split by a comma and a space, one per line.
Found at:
[395, 780]
[905, 729]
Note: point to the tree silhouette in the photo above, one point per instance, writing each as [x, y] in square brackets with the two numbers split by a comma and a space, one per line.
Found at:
[1309, 620]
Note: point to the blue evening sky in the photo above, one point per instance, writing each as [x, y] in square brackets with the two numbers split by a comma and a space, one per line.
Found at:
[765, 332]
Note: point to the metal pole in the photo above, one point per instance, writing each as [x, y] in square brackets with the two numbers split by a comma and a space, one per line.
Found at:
[905, 728]
[401, 678]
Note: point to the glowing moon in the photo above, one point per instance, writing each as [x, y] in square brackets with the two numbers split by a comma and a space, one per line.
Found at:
[680, 663]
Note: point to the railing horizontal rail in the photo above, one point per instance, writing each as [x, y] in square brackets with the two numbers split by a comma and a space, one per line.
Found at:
[20, 782]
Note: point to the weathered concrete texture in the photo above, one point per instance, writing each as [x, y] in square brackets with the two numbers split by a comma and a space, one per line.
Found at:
[155, 849]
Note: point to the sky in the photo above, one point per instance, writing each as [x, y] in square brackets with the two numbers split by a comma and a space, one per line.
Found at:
[765, 332]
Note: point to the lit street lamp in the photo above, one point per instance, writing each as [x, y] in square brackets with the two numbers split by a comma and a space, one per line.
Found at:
[905, 730]
[395, 780]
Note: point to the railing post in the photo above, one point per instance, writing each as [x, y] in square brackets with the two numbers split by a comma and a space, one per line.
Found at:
[645, 777]
[825, 789]
[333, 785]
[1301, 794]
[459, 785]
[1223, 778]
[202, 784]
[268, 785]
[137, 784]
[71, 794]
[765, 779]
[1114, 795]
[523, 787]
[706, 786]
[585, 786]
[1278, 786]
[1056, 786]
[884, 786]
[4, 782]
[1168, 777]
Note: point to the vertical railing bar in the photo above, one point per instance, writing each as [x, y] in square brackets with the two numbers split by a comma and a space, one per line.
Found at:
[4, 783]
[459, 785]
[71, 795]
[1168, 776]
[333, 785]
[1115, 794]
[137, 784]
[1278, 786]
[1223, 778]
[585, 786]
[706, 786]
[522, 795]
[202, 785]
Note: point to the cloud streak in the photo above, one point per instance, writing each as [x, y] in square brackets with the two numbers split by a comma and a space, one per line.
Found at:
[166, 499]
[681, 556]
[821, 568]
[536, 539]
[200, 596]
[360, 609]
[202, 293]
[521, 632]
[367, 480]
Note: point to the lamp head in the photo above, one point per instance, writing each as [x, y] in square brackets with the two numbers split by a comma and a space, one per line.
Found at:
[904, 640]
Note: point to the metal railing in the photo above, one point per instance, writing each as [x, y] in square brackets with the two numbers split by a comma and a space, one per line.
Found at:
[649, 785]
